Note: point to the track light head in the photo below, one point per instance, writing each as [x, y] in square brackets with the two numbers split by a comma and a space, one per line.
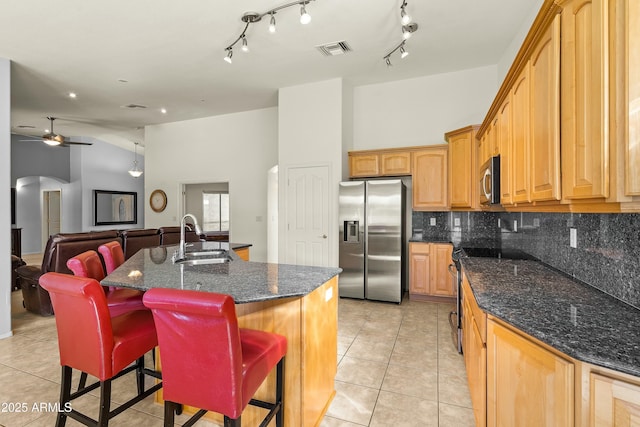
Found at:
[229, 55]
[272, 24]
[245, 46]
[408, 30]
[403, 53]
[305, 18]
[388, 61]
[405, 18]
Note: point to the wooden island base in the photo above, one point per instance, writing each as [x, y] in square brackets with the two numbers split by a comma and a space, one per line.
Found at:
[310, 324]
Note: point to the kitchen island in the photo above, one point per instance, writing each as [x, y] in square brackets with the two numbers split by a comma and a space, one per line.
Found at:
[298, 302]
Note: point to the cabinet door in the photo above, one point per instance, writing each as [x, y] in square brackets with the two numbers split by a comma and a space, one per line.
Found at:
[613, 403]
[632, 137]
[545, 115]
[441, 282]
[395, 164]
[475, 361]
[419, 268]
[430, 179]
[463, 179]
[520, 157]
[584, 99]
[527, 385]
[363, 165]
[504, 136]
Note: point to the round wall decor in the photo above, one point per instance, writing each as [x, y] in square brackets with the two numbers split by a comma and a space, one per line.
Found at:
[158, 200]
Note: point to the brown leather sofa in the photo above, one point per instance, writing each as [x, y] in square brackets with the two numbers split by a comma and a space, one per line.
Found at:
[134, 240]
[15, 263]
[61, 247]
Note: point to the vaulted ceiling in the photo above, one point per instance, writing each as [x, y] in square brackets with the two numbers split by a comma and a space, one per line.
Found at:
[119, 56]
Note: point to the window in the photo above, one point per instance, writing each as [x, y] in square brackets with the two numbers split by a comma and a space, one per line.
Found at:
[215, 211]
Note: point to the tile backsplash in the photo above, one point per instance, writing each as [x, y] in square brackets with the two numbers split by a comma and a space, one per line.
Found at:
[606, 256]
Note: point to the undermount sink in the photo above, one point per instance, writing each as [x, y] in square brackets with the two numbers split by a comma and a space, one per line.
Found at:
[213, 256]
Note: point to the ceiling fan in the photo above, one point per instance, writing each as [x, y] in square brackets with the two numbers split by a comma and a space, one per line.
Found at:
[53, 139]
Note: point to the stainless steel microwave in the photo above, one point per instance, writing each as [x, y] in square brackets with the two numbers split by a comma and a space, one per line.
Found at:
[490, 181]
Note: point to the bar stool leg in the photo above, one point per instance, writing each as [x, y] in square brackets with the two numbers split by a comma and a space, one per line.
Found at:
[65, 395]
[228, 422]
[140, 375]
[280, 393]
[169, 411]
[105, 403]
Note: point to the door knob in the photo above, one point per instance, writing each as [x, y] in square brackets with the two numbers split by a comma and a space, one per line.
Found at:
[324, 236]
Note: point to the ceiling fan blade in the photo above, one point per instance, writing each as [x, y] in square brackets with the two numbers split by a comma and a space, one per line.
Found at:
[76, 143]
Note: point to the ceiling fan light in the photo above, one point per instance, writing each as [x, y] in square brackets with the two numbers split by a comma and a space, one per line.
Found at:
[305, 18]
[51, 141]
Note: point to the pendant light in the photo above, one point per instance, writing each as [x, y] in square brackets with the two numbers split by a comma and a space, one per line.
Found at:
[135, 171]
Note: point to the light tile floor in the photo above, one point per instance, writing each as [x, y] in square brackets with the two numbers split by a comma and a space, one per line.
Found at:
[397, 367]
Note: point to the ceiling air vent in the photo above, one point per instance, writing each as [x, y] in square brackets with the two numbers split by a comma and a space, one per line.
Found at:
[134, 106]
[333, 49]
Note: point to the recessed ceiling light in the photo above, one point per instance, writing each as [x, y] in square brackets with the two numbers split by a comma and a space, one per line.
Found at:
[72, 95]
[163, 110]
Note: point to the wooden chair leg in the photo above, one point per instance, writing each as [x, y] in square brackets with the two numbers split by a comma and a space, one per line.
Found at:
[65, 395]
[105, 403]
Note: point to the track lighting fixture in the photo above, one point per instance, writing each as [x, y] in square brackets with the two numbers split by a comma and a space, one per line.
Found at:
[405, 18]
[272, 23]
[229, 55]
[408, 28]
[251, 17]
[305, 18]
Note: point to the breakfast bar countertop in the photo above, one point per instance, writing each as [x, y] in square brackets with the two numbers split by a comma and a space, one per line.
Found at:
[576, 319]
[245, 281]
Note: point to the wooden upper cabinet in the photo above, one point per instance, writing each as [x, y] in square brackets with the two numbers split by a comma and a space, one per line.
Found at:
[363, 165]
[430, 175]
[374, 163]
[505, 138]
[396, 163]
[631, 110]
[584, 99]
[520, 154]
[545, 115]
[463, 168]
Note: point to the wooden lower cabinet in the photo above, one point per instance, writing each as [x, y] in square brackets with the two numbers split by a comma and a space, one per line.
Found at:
[429, 270]
[527, 383]
[475, 354]
[613, 402]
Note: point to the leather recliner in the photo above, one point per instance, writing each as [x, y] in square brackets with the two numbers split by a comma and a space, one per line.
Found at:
[60, 247]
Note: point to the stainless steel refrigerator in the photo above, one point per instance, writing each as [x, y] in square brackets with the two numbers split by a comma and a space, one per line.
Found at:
[372, 239]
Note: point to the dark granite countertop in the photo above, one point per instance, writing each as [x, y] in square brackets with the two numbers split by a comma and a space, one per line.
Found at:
[245, 281]
[577, 319]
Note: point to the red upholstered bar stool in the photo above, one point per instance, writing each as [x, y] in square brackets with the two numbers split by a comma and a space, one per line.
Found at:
[112, 254]
[94, 342]
[208, 361]
[88, 264]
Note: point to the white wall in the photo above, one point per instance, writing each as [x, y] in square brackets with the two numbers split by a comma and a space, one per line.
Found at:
[103, 166]
[310, 126]
[5, 198]
[236, 148]
[420, 111]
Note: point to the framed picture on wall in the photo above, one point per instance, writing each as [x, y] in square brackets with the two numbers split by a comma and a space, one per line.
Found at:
[115, 207]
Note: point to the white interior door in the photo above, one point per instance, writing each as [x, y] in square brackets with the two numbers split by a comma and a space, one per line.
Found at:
[307, 216]
[50, 214]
